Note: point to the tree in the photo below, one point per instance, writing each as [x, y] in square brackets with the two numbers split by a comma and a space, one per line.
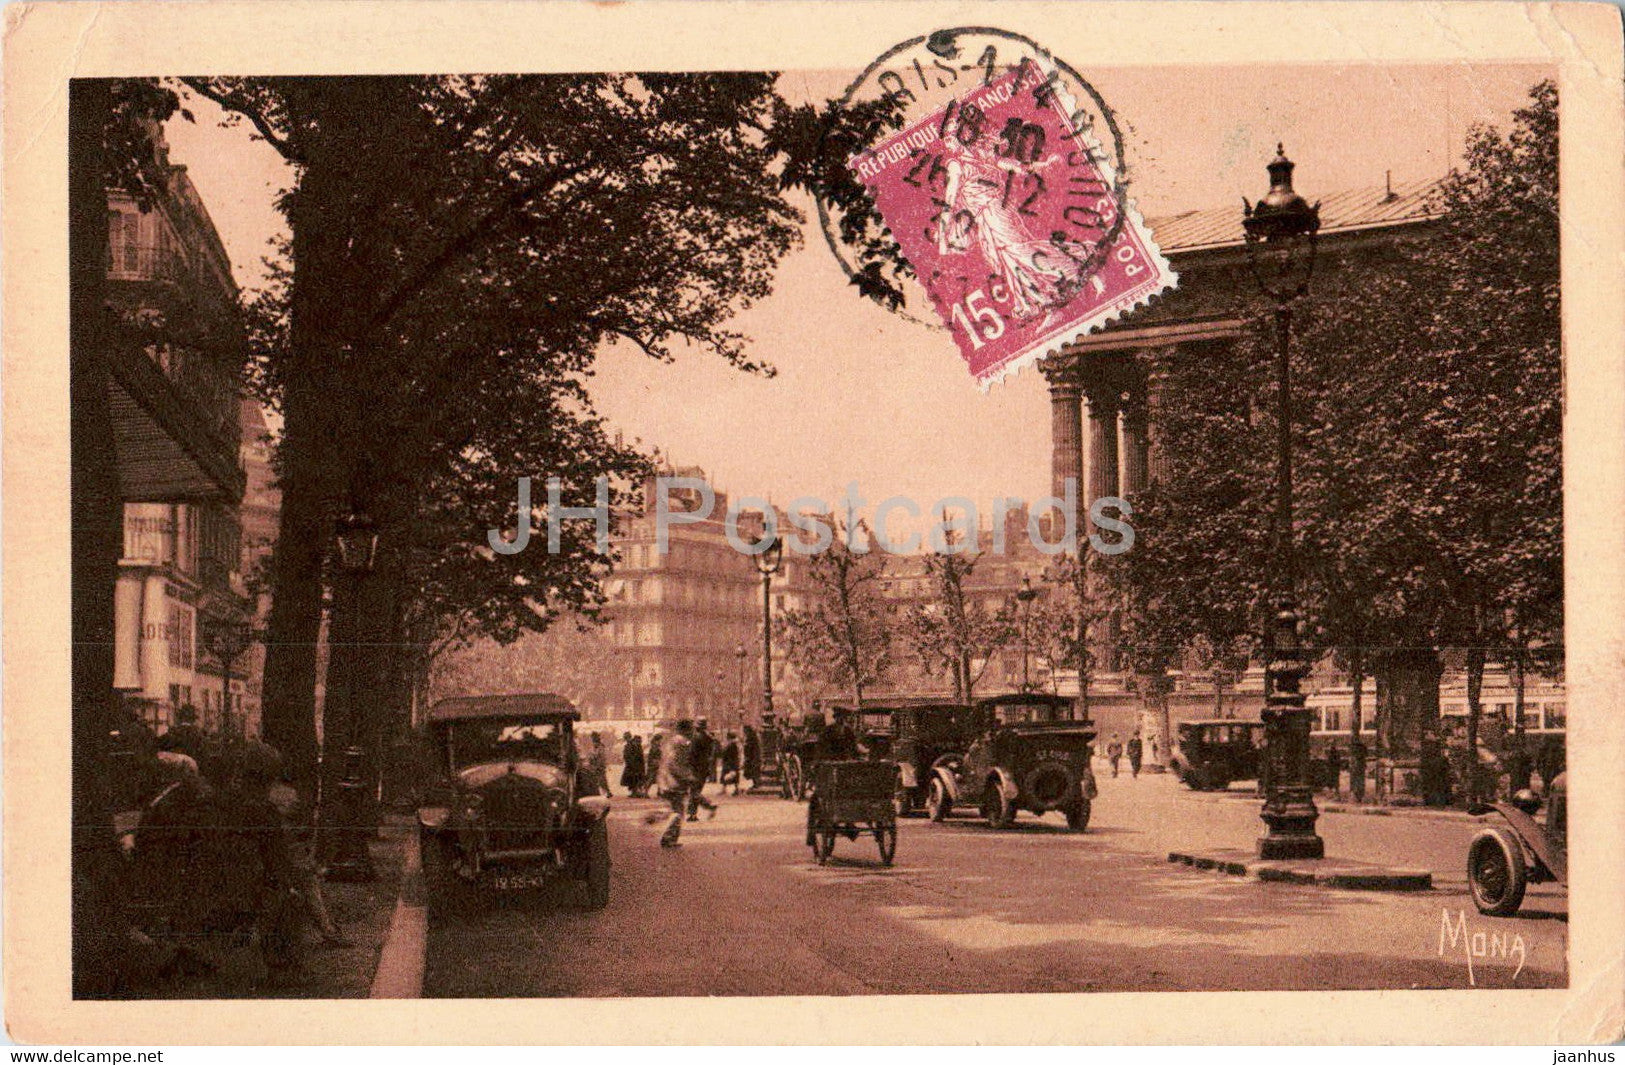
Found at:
[1062, 618]
[842, 635]
[571, 658]
[1420, 516]
[478, 231]
[955, 629]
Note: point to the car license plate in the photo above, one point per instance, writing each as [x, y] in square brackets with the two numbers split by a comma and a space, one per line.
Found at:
[517, 881]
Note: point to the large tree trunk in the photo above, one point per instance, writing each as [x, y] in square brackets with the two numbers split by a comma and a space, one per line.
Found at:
[98, 924]
[312, 458]
[1475, 689]
[1408, 695]
[1357, 750]
[288, 714]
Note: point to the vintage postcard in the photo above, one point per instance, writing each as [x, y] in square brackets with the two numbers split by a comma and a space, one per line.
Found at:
[813, 522]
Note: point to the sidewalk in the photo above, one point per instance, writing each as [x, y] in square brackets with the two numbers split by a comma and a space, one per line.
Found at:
[363, 913]
[1327, 805]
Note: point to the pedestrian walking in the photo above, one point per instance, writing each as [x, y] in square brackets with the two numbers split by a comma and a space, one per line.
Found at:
[598, 766]
[651, 765]
[674, 781]
[632, 768]
[1114, 752]
[730, 763]
[752, 768]
[1136, 754]
[702, 755]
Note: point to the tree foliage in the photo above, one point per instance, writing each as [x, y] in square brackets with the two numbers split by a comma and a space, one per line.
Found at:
[461, 248]
[1427, 432]
[842, 635]
[954, 630]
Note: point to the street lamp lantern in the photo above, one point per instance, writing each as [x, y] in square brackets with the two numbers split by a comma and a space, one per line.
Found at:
[1281, 232]
[357, 536]
[770, 557]
[768, 561]
[1025, 597]
[357, 542]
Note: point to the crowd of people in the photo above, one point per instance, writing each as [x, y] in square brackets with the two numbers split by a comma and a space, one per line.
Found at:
[220, 853]
[675, 766]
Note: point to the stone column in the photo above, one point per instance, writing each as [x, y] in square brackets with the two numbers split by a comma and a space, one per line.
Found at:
[1105, 399]
[1104, 403]
[1066, 431]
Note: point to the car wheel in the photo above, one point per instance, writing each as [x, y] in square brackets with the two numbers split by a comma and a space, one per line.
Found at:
[902, 802]
[1496, 872]
[1077, 814]
[941, 807]
[1001, 812]
[597, 859]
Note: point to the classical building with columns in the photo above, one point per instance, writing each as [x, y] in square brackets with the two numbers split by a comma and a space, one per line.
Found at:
[1104, 411]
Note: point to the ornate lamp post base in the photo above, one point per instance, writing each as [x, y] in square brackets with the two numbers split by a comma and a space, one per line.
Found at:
[351, 861]
[1291, 829]
[1289, 808]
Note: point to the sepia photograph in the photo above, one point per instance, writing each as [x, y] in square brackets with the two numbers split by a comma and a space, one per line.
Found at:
[956, 517]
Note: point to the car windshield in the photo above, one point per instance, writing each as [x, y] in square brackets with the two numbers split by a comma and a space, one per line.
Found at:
[1016, 713]
[939, 722]
[506, 739]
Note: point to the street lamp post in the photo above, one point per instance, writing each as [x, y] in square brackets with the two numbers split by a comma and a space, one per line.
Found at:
[357, 538]
[767, 564]
[740, 654]
[1280, 238]
[1026, 596]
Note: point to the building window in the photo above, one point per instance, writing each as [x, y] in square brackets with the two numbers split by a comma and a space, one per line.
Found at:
[1556, 715]
[180, 636]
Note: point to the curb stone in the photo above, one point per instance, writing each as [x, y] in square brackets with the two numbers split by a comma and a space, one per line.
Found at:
[401, 962]
[1325, 872]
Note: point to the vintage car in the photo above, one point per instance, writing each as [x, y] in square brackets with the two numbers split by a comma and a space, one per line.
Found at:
[1208, 755]
[917, 733]
[511, 810]
[1028, 755]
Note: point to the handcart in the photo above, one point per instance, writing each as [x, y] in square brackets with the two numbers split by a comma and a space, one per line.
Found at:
[849, 799]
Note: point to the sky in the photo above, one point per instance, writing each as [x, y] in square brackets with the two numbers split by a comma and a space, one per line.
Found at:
[863, 395]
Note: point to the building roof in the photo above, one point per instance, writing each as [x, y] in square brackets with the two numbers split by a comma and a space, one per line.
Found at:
[471, 707]
[1342, 212]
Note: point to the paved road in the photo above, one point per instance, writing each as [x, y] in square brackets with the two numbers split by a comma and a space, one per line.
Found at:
[741, 909]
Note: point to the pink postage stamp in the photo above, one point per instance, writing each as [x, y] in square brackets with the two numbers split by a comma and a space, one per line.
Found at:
[1013, 221]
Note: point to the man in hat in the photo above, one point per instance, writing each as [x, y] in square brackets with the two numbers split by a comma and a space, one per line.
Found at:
[702, 754]
[674, 780]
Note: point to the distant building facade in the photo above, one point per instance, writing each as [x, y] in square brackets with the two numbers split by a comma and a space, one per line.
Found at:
[686, 623]
[176, 370]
